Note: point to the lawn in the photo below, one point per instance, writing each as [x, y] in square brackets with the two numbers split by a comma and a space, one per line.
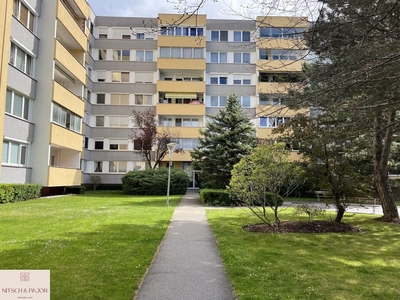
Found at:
[97, 246]
[357, 266]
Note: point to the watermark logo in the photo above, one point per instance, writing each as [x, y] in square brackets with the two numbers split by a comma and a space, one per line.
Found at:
[25, 284]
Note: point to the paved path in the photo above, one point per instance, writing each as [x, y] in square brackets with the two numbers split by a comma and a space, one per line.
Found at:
[188, 265]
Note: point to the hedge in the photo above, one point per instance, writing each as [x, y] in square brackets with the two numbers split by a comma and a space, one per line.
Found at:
[155, 182]
[10, 192]
[216, 197]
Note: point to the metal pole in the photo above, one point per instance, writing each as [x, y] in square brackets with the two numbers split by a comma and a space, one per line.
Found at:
[169, 179]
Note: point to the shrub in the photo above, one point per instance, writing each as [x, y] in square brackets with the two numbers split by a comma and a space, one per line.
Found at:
[19, 192]
[155, 182]
[216, 197]
[96, 180]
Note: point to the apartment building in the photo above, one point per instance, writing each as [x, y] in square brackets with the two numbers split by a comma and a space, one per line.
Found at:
[74, 78]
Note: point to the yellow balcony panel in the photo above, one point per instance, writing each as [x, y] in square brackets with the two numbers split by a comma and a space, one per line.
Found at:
[67, 99]
[265, 133]
[70, 24]
[275, 87]
[295, 156]
[181, 41]
[181, 132]
[180, 109]
[281, 21]
[181, 63]
[280, 65]
[180, 156]
[63, 56]
[275, 43]
[182, 19]
[181, 86]
[278, 111]
[84, 7]
[64, 177]
[65, 138]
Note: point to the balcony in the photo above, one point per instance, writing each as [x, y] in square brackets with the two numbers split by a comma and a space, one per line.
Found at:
[181, 63]
[180, 109]
[65, 138]
[71, 25]
[278, 110]
[279, 65]
[180, 156]
[64, 177]
[265, 133]
[181, 41]
[67, 99]
[181, 132]
[277, 43]
[181, 86]
[197, 19]
[276, 87]
[70, 63]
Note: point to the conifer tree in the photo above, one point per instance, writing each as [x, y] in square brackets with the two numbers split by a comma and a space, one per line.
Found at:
[226, 139]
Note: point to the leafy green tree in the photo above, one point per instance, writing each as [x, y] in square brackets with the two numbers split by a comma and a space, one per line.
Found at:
[356, 75]
[227, 138]
[261, 179]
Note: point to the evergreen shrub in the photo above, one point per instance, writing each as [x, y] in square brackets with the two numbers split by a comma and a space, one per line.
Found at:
[216, 197]
[13, 192]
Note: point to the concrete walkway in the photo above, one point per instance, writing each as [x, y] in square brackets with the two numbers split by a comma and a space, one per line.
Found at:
[188, 265]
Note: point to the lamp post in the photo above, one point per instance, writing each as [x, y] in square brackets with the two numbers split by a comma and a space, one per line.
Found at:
[171, 147]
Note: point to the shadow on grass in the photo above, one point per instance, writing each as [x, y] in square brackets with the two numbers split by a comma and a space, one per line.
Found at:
[107, 263]
[362, 265]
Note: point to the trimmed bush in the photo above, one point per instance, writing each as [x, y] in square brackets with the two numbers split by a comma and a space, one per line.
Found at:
[216, 197]
[19, 192]
[155, 182]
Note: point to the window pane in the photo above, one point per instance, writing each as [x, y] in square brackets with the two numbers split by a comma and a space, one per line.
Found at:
[20, 63]
[139, 99]
[117, 54]
[102, 54]
[198, 53]
[15, 8]
[276, 32]
[223, 80]
[124, 76]
[187, 52]
[263, 54]
[148, 99]
[222, 100]
[4, 156]
[237, 58]
[195, 122]
[8, 101]
[185, 31]
[139, 55]
[112, 166]
[124, 99]
[246, 101]
[126, 54]
[101, 98]
[246, 58]
[237, 36]
[193, 31]
[223, 57]
[100, 121]
[122, 167]
[17, 108]
[178, 31]
[265, 31]
[31, 20]
[28, 65]
[215, 35]
[186, 122]
[12, 54]
[214, 57]
[24, 15]
[26, 109]
[149, 55]
[224, 36]
[114, 99]
[165, 52]
[200, 31]
[214, 80]
[176, 52]
[246, 36]
[99, 145]
[116, 77]
[14, 149]
[170, 31]
[263, 122]
[214, 101]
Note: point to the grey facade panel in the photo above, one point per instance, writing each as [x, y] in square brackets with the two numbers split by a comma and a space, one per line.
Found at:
[118, 109]
[212, 111]
[249, 112]
[18, 129]
[126, 22]
[132, 88]
[99, 132]
[91, 61]
[35, 4]
[89, 84]
[24, 36]
[125, 44]
[15, 175]
[231, 46]
[222, 24]
[241, 90]
[230, 68]
[125, 65]
[92, 40]
[21, 82]
[104, 155]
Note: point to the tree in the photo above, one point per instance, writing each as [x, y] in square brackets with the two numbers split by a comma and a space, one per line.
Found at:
[325, 144]
[226, 139]
[263, 177]
[356, 73]
[151, 142]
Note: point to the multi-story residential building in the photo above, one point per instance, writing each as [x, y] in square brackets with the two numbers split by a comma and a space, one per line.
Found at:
[73, 80]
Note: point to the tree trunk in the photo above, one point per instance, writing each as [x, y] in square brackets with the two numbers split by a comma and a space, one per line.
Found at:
[340, 212]
[381, 152]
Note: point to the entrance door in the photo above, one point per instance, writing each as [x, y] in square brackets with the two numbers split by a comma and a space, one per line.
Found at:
[194, 179]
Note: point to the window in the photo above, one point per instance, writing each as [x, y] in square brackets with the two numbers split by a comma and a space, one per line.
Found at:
[121, 54]
[241, 79]
[144, 77]
[246, 101]
[22, 13]
[263, 54]
[103, 32]
[117, 167]
[102, 54]
[99, 121]
[126, 36]
[20, 59]
[215, 35]
[14, 153]
[119, 121]
[99, 145]
[214, 57]
[272, 122]
[143, 99]
[119, 99]
[120, 76]
[101, 76]
[98, 166]
[241, 36]
[17, 105]
[101, 98]
[223, 80]
[221, 36]
[188, 144]
[218, 101]
[167, 52]
[282, 32]
[219, 57]
[142, 55]
[118, 144]
[66, 118]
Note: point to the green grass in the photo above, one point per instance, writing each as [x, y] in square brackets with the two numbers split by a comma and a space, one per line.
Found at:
[97, 246]
[357, 266]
